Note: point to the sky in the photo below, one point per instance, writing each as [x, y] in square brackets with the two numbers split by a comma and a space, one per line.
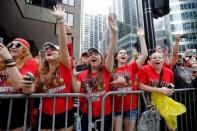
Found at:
[97, 6]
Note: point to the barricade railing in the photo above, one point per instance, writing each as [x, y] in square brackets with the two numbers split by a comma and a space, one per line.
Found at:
[40, 97]
[186, 121]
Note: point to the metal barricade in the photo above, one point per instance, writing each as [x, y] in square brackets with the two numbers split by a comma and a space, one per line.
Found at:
[113, 93]
[186, 121]
[40, 97]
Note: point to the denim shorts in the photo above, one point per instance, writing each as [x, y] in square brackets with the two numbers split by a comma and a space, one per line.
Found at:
[127, 114]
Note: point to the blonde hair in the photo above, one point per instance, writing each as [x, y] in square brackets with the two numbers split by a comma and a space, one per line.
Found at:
[20, 61]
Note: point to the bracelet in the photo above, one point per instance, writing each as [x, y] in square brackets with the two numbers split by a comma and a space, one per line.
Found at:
[7, 61]
[12, 65]
[68, 33]
[59, 21]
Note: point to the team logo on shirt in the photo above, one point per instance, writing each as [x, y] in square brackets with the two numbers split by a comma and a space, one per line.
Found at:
[3, 77]
[120, 81]
[56, 84]
[5, 85]
[155, 83]
[94, 88]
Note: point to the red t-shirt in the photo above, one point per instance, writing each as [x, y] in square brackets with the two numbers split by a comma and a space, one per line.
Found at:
[127, 76]
[148, 76]
[62, 74]
[168, 65]
[95, 92]
[6, 86]
[70, 48]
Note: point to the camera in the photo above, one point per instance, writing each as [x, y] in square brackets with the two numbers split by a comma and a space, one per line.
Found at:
[81, 67]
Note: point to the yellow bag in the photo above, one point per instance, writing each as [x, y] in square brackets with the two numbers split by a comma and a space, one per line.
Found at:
[168, 108]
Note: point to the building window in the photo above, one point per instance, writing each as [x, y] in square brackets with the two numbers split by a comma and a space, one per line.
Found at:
[69, 18]
[68, 2]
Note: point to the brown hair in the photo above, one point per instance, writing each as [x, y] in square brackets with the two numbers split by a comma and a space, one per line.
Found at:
[47, 75]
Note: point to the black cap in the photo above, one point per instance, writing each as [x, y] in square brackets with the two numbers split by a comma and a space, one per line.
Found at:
[91, 50]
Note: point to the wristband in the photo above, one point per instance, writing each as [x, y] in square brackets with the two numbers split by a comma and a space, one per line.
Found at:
[7, 61]
[11, 65]
[59, 21]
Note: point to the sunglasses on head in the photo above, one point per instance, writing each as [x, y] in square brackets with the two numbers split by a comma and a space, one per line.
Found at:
[52, 48]
[14, 45]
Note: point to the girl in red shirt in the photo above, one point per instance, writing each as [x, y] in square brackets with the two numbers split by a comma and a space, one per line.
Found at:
[123, 79]
[149, 76]
[56, 77]
[18, 61]
[95, 81]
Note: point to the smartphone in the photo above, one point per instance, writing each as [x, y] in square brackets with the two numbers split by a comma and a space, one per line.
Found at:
[81, 67]
[30, 76]
[184, 36]
[1, 39]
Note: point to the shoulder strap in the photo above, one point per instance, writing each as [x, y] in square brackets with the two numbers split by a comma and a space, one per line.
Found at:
[160, 78]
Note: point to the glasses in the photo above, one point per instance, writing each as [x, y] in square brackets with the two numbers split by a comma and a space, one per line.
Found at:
[14, 45]
[52, 48]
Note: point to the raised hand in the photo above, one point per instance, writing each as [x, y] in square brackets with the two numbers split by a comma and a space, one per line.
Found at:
[58, 12]
[112, 24]
[4, 52]
[140, 32]
[177, 37]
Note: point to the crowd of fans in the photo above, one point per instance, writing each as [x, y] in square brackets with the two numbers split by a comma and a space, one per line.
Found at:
[53, 71]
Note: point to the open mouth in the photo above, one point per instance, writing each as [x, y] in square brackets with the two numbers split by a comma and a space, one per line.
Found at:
[123, 58]
[49, 54]
[93, 60]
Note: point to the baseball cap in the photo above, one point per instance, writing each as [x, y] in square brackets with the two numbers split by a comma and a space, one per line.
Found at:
[91, 50]
[50, 44]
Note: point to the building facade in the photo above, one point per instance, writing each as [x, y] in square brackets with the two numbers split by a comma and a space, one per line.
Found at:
[183, 20]
[93, 28]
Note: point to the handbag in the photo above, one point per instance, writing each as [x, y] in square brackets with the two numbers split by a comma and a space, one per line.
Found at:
[150, 118]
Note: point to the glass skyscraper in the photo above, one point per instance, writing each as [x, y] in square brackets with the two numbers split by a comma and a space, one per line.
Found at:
[183, 20]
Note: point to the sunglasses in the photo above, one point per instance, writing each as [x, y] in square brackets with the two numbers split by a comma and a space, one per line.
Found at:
[52, 48]
[189, 57]
[14, 45]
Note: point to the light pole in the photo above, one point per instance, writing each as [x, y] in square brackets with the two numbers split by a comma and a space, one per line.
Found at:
[148, 25]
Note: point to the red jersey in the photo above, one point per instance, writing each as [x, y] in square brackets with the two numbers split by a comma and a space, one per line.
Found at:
[148, 76]
[64, 76]
[6, 86]
[70, 48]
[168, 65]
[95, 92]
[123, 79]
